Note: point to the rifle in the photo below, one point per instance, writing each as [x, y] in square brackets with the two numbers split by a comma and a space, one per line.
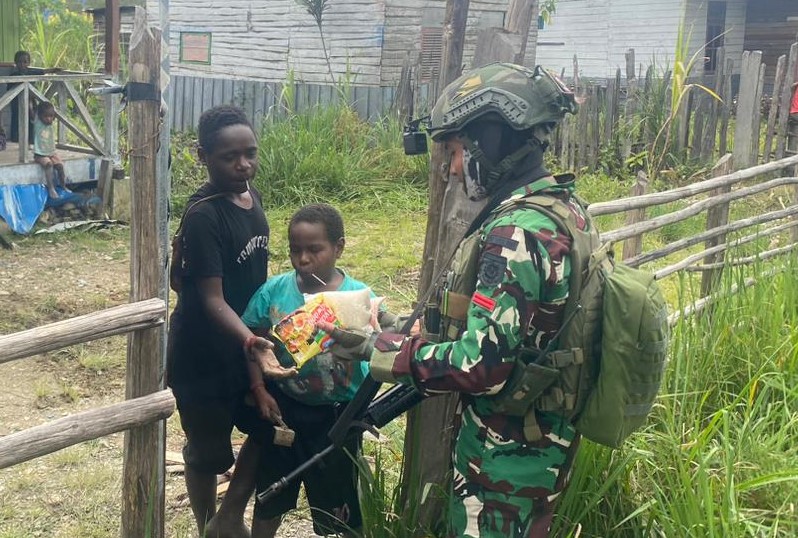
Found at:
[363, 413]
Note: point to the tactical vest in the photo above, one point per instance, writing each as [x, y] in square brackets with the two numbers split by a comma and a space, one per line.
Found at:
[560, 378]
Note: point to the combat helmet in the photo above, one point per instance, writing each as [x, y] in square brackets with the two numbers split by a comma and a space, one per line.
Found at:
[522, 97]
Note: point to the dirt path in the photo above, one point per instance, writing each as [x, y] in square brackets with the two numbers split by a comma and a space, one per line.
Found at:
[46, 279]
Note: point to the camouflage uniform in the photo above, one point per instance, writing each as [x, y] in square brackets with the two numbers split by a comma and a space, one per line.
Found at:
[503, 485]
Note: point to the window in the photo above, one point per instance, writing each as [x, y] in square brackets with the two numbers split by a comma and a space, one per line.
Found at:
[195, 47]
[431, 43]
[716, 26]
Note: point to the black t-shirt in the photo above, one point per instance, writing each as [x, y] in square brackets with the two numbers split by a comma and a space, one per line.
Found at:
[223, 240]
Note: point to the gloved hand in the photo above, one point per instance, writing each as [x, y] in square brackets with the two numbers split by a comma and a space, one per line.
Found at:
[349, 344]
[392, 323]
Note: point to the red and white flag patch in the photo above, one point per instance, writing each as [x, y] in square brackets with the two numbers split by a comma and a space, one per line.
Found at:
[483, 301]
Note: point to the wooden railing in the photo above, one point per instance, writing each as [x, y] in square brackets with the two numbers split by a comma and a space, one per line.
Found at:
[40, 440]
[724, 188]
[60, 90]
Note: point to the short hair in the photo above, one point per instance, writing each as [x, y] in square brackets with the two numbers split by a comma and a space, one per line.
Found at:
[19, 54]
[217, 118]
[44, 106]
[321, 214]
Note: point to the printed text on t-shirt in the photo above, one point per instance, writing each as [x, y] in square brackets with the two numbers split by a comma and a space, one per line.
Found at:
[259, 241]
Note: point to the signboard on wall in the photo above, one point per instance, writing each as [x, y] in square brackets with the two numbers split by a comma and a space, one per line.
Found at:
[195, 47]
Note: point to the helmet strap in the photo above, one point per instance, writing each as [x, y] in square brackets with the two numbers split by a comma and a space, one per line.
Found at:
[494, 171]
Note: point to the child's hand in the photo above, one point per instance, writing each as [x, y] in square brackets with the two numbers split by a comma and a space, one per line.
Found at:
[259, 350]
[266, 404]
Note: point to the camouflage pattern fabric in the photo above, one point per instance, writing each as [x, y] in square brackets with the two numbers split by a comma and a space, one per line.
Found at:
[519, 300]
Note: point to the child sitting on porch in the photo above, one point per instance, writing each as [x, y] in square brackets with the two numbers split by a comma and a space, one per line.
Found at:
[44, 148]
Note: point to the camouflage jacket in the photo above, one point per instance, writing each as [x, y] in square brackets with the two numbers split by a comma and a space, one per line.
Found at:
[519, 300]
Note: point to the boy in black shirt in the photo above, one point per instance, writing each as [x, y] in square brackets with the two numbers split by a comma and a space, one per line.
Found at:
[225, 239]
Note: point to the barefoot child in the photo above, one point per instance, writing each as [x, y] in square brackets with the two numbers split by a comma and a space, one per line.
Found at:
[307, 401]
[44, 148]
[225, 240]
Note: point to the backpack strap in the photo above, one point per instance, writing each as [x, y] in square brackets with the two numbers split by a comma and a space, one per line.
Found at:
[179, 231]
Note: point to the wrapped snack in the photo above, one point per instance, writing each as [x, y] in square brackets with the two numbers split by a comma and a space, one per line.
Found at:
[298, 332]
[352, 308]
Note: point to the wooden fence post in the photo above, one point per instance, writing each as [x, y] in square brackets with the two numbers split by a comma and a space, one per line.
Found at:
[630, 107]
[144, 447]
[746, 132]
[634, 245]
[428, 433]
[725, 109]
[716, 217]
[775, 100]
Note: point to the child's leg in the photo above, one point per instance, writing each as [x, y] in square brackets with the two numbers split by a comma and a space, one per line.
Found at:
[229, 519]
[47, 164]
[58, 165]
[265, 528]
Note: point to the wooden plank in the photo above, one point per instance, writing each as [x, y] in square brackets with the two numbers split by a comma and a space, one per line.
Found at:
[101, 324]
[178, 89]
[700, 105]
[197, 100]
[113, 23]
[261, 110]
[84, 113]
[228, 97]
[188, 103]
[713, 117]
[375, 104]
[62, 104]
[105, 187]
[634, 245]
[630, 107]
[717, 217]
[658, 198]
[207, 93]
[360, 101]
[34, 442]
[143, 467]
[747, 104]
[756, 120]
[775, 101]
[24, 121]
[725, 110]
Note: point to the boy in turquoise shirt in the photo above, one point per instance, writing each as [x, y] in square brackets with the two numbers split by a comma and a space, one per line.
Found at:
[308, 401]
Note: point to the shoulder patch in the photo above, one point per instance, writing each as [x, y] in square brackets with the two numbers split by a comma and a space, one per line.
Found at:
[491, 269]
[483, 301]
[505, 242]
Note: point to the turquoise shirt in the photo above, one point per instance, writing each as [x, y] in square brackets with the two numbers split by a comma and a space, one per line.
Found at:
[43, 138]
[323, 379]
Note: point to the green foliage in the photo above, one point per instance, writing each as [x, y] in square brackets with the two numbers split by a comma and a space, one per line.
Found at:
[64, 39]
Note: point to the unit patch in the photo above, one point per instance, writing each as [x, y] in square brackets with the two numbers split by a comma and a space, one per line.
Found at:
[491, 269]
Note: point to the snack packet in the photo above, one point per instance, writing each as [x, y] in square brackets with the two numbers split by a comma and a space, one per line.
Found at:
[298, 332]
[347, 309]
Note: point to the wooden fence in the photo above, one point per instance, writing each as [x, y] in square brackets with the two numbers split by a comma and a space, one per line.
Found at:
[627, 115]
[711, 200]
[28, 444]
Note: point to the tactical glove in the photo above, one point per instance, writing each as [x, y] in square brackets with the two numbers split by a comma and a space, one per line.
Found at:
[349, 344]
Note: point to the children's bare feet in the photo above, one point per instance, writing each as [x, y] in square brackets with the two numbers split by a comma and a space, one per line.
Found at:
[52, 193]
[217, 528]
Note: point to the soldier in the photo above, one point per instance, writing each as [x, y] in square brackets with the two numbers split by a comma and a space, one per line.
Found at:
[508, 470]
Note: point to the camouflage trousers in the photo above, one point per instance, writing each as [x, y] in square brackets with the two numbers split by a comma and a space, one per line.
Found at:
[539, 469]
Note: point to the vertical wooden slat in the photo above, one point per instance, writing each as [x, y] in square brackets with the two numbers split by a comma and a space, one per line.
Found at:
[24, 122]
[179, 99]
[196, 110]
[143, 490]
[710, 131]
[634, 245]
[716, 216]
[747, 106]
[725, 109]
[775, 99]
[756, 120]
[631, 106]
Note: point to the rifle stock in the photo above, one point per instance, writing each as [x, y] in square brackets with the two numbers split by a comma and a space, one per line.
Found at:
[366, 411]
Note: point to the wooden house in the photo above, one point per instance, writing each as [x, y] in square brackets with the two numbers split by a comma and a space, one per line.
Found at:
[599, 32]
[367, 40]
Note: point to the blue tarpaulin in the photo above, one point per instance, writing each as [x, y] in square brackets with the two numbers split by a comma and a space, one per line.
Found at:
[21, 205]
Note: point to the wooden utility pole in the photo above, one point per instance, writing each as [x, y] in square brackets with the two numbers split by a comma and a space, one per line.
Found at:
[144, 447]
[429, 426]
[111, 108]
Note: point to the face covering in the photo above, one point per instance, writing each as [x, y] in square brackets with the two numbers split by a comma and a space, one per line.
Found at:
[472, 182]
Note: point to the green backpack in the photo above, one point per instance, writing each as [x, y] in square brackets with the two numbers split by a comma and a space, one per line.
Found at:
[607, 361]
